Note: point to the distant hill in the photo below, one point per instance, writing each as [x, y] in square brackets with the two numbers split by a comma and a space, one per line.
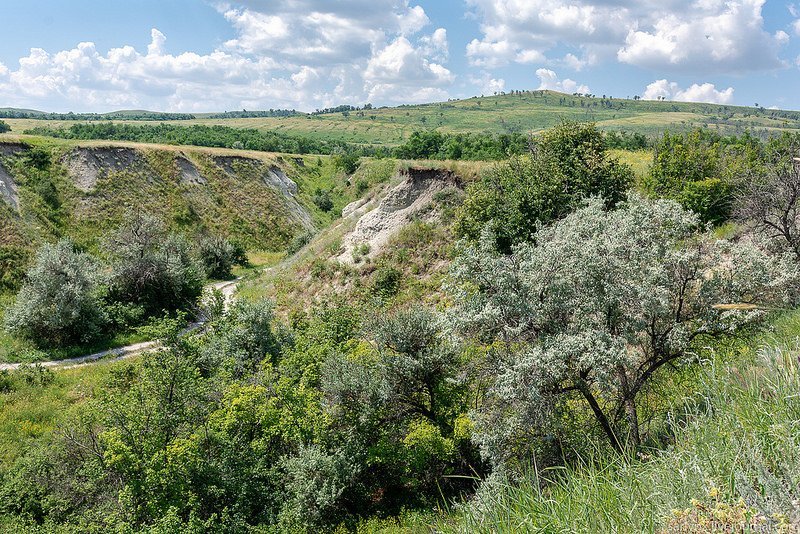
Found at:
[518, 111]
[136, 114]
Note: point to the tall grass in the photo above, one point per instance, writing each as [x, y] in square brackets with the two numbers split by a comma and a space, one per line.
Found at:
[732, 465]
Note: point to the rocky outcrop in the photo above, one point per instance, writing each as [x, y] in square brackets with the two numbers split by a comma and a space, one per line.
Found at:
[355, 208]
[10, 149]
[86, 165]
[188, 173]
[402, 204]
[275, 177]
[8, 189]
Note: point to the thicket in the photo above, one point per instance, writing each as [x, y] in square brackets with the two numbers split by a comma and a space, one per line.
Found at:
[563, 166]
[431, 144]
[116, 115]
[703, 170]
[4, 127]
[212, 136]
[60, 301]
[69, 297]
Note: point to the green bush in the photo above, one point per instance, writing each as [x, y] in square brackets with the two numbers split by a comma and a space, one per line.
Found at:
[298, 242]
[59, 302]
[322, 199]
[35, 375]
[151, 268]
[567, 164]
[346, 161]
[4, 127]
[387, 281]
[217, 255]
[702, 170]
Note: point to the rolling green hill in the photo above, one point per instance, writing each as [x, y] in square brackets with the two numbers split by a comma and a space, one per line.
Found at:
[503, 113]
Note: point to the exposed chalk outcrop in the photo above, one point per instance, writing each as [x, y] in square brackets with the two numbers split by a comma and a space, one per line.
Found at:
[86, 165]
[401, 205]
[188, 173]
[8, 189]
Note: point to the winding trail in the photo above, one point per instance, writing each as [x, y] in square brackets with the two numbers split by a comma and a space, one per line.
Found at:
[228, 288]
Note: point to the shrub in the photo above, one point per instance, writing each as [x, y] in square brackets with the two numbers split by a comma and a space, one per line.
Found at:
[346, 161]
[59, 302]
[39, 158]
[298, 242]
[4, 127]
[602, 303]
[701, 170]
[567, 164]
[387, 281]
[35, 375]
[217, 256]
[769, 202]
[151, 268]
[322, 199]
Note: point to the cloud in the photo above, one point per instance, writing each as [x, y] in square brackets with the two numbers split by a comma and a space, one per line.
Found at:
[707, 92]
[488, 85]
[686, 35]
[549, 80]
[304, 54]
[400, 69]
[524, 31]
[435, 45]
[713, 36]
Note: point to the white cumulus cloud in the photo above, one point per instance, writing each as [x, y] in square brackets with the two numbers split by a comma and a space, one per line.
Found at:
[706, 92]
[711, 35]
[687, 35]
[305, 55]
[549, 80]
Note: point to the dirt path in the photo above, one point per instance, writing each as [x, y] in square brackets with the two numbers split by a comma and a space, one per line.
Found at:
[227, 288]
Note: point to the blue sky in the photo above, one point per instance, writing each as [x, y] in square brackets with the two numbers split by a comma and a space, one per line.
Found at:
[197, 55]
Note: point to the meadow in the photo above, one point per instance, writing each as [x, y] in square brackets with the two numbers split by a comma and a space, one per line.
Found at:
[529, 111]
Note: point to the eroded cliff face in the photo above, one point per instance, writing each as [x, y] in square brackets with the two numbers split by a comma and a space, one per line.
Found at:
[407, 201]
[249, 198]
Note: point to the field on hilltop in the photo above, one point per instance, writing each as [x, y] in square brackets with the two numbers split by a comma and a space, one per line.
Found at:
[519, 112]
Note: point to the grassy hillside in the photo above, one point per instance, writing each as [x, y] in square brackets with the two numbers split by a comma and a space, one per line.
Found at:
[90, 185]
[504, 113]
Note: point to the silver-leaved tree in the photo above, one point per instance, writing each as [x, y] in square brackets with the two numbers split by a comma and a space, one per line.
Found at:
[595, 309]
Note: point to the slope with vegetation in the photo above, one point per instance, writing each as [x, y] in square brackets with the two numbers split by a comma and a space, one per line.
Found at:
[547, 343]
[505, 113]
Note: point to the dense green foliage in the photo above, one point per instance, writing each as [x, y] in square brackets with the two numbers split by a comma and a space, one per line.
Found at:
[731, 464]
[592, 311]
[567, 360]
[702, 170]
[4, 127]
[346, 161]
[298, 428]
[245, 114]
[114, 115]
[626, 140]
[152, 269]
[565, 165]
[218, 256]
[213, 136]
[69, 297]
[432, 144]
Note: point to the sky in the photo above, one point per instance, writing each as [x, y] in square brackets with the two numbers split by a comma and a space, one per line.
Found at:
[198, 55]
